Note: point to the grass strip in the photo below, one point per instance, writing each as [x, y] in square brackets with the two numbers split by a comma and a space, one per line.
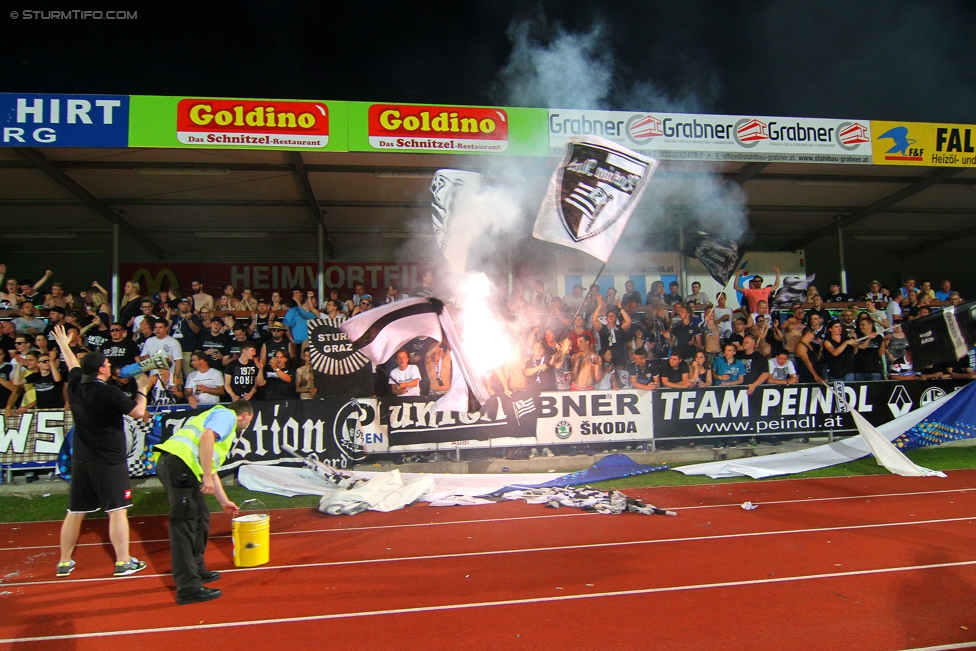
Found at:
[152, 501]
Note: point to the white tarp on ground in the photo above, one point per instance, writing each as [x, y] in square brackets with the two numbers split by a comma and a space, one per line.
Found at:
[386, 491]
[842, 451]
[887, 454]
[291, 481]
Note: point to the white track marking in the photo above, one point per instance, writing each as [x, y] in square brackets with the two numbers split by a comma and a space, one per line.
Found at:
[516, 519]
[524, 550]
[489, 604]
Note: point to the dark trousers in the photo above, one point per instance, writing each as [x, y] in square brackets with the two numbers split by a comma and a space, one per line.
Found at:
[189, 521]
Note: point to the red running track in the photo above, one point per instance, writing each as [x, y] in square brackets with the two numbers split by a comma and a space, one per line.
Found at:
[878, 562]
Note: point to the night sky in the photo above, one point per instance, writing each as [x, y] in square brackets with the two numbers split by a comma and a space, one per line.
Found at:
[908, 60]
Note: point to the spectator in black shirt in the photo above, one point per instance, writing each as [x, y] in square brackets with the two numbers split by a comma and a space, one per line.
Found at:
[245, 375]
[643, 374]
[48, 384]
[686, 336]
[675, 374]
[757, 366]
[215, 344]
[538, 373]
[819, 309]
[674, 296]
[834, 295]
[99, 473]
[119, 349]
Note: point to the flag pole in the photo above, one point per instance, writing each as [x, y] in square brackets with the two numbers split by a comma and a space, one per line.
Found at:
[580, 308]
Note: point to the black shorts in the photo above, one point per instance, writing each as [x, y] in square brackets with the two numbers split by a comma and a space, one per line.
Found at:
[98, 486]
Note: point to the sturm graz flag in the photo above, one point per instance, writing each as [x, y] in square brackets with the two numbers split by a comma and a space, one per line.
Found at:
[592, 195]
[339, 369]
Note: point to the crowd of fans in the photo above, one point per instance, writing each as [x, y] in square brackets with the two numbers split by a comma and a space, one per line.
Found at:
[605, 340]
[230, 347]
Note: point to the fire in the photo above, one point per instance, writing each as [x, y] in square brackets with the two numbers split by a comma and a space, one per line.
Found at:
[486, 339]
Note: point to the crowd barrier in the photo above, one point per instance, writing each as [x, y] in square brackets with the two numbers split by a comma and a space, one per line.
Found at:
[343, 431]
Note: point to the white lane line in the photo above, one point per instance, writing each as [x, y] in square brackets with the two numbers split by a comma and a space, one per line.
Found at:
[336, 530]
[824, 499]
[516, 519]
[489, 604]
[944, 647]
[524, 550]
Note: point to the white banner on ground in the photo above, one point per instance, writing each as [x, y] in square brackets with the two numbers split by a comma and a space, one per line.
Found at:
[848, 449]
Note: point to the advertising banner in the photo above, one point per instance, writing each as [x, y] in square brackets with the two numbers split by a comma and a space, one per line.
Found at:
[923, 143]
[780, 409]
[679, 136]
[447, 129]
[216, 123]
[31, 120]
[592, 417]
[266, 278]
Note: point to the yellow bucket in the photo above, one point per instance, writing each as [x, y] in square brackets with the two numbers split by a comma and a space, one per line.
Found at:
[251, 534]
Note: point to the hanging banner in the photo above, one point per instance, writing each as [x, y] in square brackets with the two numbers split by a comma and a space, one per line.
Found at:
[263, 279]
[32, 120]
[924, 143]
[220, 123]
[680, 136]
[337, 431]
[339, 370]
[781, 409]
[412, 421]
[591, 417]
[33, 438]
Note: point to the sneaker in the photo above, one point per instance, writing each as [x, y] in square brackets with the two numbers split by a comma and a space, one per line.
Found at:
[753, 442]
[734, 443]
[66, 568]
[774, 440]
[547, 452]
[719, 445]
[132, 566]
[533, 453]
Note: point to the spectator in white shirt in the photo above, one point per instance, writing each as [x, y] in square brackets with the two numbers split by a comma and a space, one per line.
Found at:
[204, 385]
[405, 378]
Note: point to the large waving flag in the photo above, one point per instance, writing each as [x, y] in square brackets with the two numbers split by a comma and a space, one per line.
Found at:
[720, 256]
[379, 333]
[452, 192]
[945, 336]
[592, 195]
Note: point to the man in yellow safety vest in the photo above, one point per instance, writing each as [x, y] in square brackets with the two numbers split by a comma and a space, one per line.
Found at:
[187, 466]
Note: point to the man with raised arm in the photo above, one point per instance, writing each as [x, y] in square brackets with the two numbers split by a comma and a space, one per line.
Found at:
[99, 472]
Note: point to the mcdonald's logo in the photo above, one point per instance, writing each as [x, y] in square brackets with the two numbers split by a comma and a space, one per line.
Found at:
[154, 283]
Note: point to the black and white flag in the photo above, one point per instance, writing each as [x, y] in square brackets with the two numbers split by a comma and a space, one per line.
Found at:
[452, 192]
[720, 256]
[945, 336]
[379, 333]
[592, 195]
